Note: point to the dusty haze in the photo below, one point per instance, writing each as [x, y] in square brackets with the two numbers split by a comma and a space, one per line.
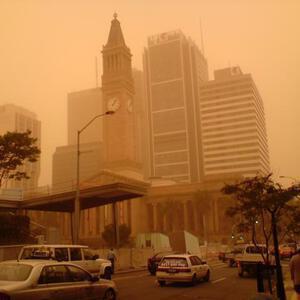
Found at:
[48, 49]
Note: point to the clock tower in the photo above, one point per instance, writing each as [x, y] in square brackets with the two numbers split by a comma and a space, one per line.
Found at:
[118, 91]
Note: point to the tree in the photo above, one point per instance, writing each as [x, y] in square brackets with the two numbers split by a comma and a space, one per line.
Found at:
[14, 229]
[108, 234]
[15, 149]
[261, 204]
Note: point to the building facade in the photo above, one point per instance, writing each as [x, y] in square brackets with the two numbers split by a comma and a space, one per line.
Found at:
[18, 119]
[233, 126]
[174, 67]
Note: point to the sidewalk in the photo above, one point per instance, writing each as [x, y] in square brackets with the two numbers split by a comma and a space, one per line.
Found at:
[288, 284]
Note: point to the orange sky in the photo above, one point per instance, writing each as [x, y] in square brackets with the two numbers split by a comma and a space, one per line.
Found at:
[48, 48]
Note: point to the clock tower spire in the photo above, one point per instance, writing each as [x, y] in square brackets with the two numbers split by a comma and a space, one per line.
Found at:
[117, 71]
[118, 91]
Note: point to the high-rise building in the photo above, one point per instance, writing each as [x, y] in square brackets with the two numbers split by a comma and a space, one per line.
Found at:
[233, 126]
[18, 119]
[174, 68]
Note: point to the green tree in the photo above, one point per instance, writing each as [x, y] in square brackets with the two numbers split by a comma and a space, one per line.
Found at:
[108, 235]
[261, 204]
[15, 149]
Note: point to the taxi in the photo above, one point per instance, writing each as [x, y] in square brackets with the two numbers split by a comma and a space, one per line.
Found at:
[182, 268]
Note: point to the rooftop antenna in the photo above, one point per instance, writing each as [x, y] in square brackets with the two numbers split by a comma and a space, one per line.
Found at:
[96, 70]
[202, 42]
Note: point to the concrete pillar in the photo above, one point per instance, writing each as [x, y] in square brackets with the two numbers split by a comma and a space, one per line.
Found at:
[195, 211]
[186, 216]
[115, 215]
[155, 217]
[102, 218]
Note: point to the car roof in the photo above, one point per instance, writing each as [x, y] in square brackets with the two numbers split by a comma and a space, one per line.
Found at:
[179, 256]
[33, 262]
[54, 246]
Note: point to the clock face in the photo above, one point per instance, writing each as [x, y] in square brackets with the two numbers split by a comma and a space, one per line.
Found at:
[129, 105]
[113, 104]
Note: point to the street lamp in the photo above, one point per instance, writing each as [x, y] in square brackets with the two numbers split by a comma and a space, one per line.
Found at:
[76, 224]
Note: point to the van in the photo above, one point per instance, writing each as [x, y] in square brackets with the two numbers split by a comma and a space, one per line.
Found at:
[77, 254]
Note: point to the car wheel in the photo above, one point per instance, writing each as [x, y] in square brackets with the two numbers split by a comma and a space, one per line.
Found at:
[194, 280]
[109, 295]
[207, 276]
[161, 282]
[107, 274]
[152, 271]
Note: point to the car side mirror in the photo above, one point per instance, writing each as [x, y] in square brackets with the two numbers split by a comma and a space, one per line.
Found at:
[96, 256]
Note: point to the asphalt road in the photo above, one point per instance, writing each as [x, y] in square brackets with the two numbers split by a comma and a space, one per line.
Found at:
[224, 285]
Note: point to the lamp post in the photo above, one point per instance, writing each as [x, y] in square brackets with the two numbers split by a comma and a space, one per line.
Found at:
[75, 235]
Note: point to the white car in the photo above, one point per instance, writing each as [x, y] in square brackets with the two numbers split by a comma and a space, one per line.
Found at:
[182, 268]
[48, 279]
[76, 254]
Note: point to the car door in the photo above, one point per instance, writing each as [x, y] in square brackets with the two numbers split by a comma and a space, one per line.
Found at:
[201, 267]
[90, 264]
[56, 283]
[82, 279]
[195, 266]
[76, 257]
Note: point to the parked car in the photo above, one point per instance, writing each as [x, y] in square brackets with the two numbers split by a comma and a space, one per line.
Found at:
[182, 268]
[47, 280]
[222, 253]
[230, 257]
[155, 260]
[77, 254]
[287, 250]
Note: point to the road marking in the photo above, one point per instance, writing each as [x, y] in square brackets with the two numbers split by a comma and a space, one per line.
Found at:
[218, 280]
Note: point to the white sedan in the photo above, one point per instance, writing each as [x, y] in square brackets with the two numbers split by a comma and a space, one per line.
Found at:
[48, 280]
[184, 267]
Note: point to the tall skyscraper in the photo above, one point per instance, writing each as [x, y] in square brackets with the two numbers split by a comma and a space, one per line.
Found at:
[16, 118]
[233, 125]
[174, 68]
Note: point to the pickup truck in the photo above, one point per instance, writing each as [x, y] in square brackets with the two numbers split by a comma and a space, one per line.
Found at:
[249, 258]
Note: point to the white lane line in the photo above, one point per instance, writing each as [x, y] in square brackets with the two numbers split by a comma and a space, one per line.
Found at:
[218, 280]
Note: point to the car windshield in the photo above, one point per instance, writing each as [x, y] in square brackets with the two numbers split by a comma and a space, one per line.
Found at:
[14, 272]
[174, 262]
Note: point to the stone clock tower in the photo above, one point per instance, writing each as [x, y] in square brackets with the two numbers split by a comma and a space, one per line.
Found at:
[118, 90]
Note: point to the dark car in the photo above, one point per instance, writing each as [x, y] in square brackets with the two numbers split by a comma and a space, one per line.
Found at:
[230, 257]
[222, 253]
[155, 260]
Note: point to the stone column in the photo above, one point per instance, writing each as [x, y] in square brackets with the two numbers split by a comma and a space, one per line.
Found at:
[195, 216]
[155, 217]
[186, 216]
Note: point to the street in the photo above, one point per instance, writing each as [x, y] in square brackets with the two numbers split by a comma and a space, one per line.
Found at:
[224, 284]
